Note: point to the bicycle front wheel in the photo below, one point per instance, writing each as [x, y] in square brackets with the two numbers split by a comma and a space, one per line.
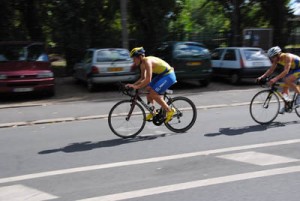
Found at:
[264, 107]
[185, 115]
[126, 120]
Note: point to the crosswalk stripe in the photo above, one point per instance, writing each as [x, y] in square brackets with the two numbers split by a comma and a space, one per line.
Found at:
[258, 158]
[21, 193]
[142, 161]
[194, 184]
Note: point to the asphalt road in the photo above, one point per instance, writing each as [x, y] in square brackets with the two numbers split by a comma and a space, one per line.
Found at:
[225, 156]
[64, 150]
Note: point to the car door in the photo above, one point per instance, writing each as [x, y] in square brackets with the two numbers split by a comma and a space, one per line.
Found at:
[231, 59]
[217, 61]
[85, 66]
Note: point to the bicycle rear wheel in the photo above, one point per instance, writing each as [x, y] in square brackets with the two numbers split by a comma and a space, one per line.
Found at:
[185, 115]
[264, 107]
[126, 121]
[297, 110]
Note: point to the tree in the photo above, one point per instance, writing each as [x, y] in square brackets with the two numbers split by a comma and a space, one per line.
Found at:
[277, 15]
[149, 20]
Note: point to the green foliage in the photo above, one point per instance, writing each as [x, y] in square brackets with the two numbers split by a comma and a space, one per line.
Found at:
[148, 20]
[74, 25]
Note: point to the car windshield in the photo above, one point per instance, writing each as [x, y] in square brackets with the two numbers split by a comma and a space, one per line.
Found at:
[254, 54]
[113, 55]
[190, 50]
[19, 52]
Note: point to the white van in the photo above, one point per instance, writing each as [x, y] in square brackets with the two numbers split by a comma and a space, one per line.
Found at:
[237, 63]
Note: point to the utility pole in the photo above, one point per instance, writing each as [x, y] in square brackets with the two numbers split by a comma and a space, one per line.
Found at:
[235, 22]
[124, 23]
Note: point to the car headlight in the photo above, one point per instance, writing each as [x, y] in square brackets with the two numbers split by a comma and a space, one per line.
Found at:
[45, 75]
[3, 77]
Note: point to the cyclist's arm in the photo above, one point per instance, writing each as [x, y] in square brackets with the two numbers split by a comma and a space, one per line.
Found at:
[147, 75]
[287, 66]
[269, 71]
[142, 77]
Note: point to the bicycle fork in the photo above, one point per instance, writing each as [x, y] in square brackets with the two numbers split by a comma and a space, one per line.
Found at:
[132, 105]
[267, 101]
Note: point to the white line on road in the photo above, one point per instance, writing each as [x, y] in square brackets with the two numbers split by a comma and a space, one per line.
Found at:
[21, 193]
[194, 184]
[257, 158]
[143, 161]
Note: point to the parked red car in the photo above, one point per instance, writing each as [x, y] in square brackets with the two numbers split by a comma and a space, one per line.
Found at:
[25, 67]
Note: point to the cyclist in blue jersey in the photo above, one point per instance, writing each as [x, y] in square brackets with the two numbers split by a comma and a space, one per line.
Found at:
[290, 73]
[164, 78]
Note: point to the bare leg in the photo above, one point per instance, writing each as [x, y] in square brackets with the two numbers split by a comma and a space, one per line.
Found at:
[290, 81]
[149, 98]
[159, 99]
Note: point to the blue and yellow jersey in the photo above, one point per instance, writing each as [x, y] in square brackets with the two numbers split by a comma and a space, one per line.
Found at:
[160, 66]
[295, 60]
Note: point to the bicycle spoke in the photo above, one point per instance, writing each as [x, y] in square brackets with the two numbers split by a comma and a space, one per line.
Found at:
[125, 121]
[185, 115]
[264, 107]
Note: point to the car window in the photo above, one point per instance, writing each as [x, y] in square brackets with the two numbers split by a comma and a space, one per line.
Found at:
[190, 50]
[88, 57]
[230, 55]
[254, 54]
[112, 55]
[20, 52]
[163, 51]
[36, 53]
[216, 54]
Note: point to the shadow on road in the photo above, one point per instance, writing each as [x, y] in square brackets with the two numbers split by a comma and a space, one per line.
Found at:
[88, 145]
[231, 131]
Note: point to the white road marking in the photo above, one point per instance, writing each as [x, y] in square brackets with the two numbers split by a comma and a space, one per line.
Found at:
[22, 193]
[258, 158]
[142, 161]
[194, 184]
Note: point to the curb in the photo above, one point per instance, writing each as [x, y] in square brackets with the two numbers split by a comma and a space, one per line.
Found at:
[71, 119]
[51, 121]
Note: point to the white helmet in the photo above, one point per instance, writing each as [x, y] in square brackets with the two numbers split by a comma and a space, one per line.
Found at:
[274, 51]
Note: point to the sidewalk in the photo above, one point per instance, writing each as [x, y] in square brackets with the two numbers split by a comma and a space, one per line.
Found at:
[74, 103]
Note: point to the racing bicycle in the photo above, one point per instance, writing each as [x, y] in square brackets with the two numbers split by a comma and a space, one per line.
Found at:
[127, 118]
[265, 105]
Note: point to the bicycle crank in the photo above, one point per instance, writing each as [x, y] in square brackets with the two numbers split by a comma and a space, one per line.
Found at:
[158, 119]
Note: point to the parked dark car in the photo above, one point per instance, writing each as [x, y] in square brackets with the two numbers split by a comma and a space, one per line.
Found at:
[25, 67]
[105, 65]
[239, 63]
[191, 60]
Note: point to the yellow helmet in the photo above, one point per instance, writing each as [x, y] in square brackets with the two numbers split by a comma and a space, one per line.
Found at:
[137, 51]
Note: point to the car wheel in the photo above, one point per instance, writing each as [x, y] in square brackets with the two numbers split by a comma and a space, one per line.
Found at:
[50, 92]
[235, 78]
[90, 85]
[76, 80]
[204, 83]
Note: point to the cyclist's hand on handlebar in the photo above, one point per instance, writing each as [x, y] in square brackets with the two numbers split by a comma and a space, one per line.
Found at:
[261, 80]
[272, 81]
[258, 79]
[132, 86]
